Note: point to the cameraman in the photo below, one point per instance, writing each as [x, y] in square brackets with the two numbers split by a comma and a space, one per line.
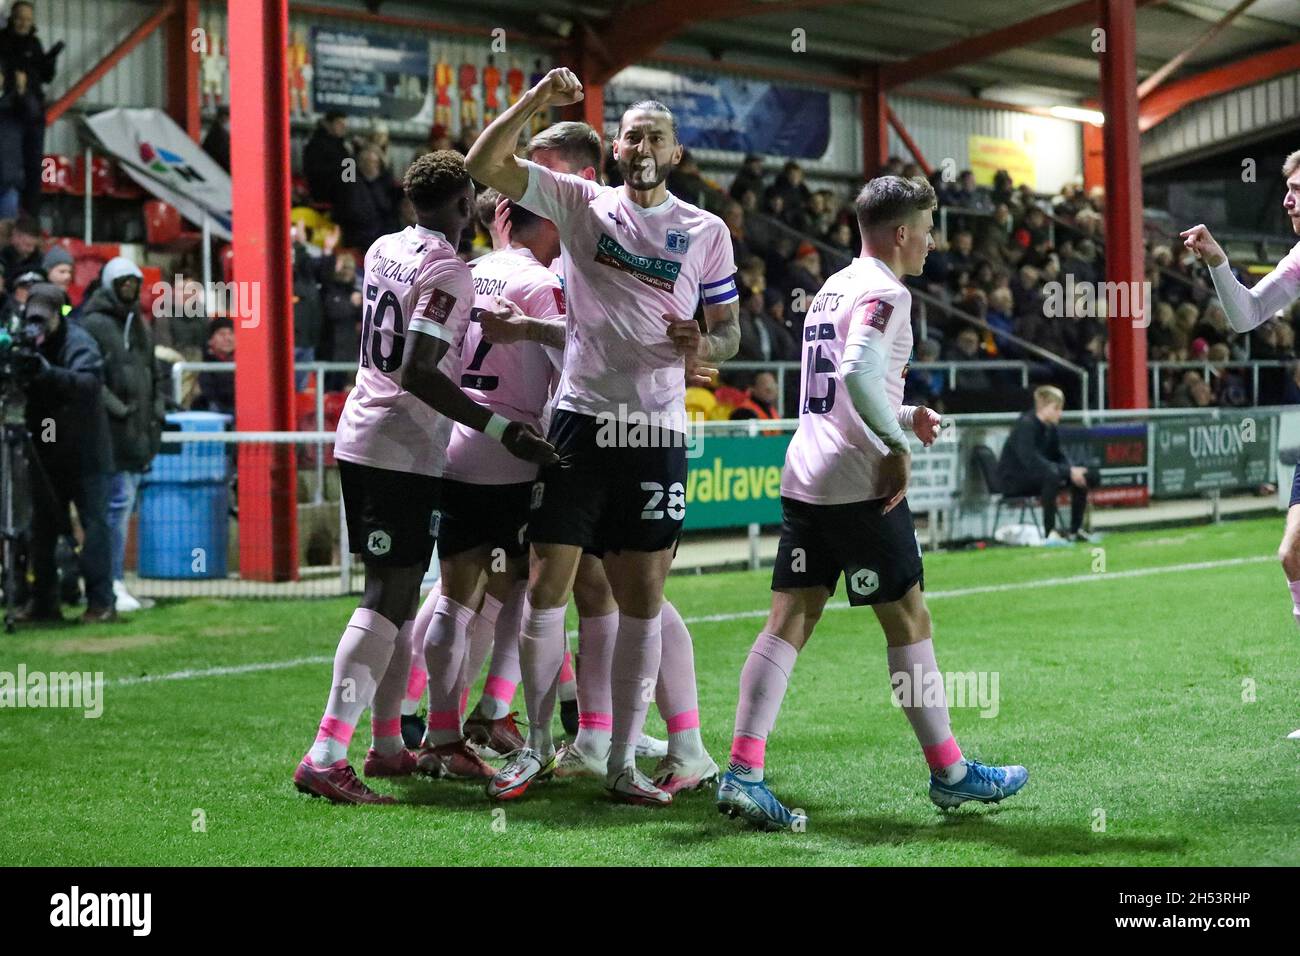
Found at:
[73, 460]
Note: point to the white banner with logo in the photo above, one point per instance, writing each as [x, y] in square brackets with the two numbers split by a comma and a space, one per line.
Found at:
[158, 155]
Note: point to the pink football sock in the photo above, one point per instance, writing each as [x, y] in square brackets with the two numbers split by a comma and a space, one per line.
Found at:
[444, 649]
[503, 671]
[763, 681]
[635, 667]
[568, 689]
[419, 676]
[1295, 598]
[596, 636]
[541, 654]
[386, 711]
[481, 632]
[909, 670]
[675, 693]
[359, 664]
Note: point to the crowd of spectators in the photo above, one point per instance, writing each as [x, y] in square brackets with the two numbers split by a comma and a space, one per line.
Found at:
[1014, 265]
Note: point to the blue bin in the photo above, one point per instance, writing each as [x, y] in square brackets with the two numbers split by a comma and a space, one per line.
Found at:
[184, 525]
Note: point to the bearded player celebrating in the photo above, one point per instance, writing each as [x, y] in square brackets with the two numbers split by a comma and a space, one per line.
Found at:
[844, 510]
[637, 261]
[1249, 308]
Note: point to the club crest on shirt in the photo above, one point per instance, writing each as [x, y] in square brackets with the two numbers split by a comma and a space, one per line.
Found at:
[878, 313]
[677, 241]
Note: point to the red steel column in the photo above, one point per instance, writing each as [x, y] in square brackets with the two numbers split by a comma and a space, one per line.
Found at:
[1123, 216]
[1094, 164]
[183, 67]
[593, 108]
[875, 123]
[264, 397]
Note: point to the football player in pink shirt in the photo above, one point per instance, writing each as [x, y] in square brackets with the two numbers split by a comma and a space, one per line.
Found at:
[844, 511]
[575, 148]
[637, 262]
[1249, 308]
[391, 448]
[485, 502]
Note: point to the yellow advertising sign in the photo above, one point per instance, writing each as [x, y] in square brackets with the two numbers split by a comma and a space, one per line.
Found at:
[988, 154]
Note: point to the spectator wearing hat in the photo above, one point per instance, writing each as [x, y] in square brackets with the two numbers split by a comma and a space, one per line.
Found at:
[19, 289]
[134, 396]
[217, 389]
[57, 266]
[65, 415]
[805, 276]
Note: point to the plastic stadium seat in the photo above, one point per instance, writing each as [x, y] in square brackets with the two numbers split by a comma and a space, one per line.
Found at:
[152, 277]
[163, 227]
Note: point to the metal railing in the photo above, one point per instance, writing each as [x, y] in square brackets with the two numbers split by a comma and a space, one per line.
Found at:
[836, 259]
[951, 370]
[1157, 368]
[316, 369]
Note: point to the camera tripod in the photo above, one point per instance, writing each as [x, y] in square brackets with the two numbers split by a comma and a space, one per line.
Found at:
[14, 440]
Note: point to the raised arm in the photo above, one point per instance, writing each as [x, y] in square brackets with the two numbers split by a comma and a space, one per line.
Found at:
[492, 159]
[1246, 308]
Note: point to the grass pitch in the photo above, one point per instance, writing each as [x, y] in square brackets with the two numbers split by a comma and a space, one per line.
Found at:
[1148, 684]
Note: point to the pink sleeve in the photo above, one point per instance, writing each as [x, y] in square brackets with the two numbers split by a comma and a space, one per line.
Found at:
[718, 278]
[880, 315]
[445, 295]
[545, 300]
[555, 196]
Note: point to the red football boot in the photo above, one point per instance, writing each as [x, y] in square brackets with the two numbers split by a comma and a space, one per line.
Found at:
[337, 783]
[501, 736]
[454, 760]
[399, 764]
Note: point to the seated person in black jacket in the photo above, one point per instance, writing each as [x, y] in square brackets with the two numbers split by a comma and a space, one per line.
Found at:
[1033, 463]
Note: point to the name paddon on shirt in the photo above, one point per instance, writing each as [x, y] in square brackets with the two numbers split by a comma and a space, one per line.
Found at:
[513, 380]
[834, 458]
[624, 269]
[413, 284]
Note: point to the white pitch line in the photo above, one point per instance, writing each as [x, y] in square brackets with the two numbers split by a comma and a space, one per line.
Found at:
[742, 615]
[219, 671]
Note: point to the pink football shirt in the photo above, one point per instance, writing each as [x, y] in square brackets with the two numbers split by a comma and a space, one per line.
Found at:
[512, 380]
[624, 268]
[414, 284]
[834, 458]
